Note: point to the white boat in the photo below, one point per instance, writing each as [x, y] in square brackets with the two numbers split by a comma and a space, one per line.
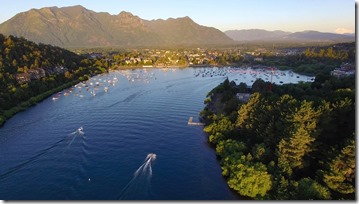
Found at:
[80, 130]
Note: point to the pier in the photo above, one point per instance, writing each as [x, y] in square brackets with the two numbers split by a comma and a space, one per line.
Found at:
[190, 122]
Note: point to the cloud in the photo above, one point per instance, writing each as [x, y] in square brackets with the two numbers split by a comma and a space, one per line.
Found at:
[343, 30]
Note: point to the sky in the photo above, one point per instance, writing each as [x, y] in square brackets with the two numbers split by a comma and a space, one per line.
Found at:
[335, 16]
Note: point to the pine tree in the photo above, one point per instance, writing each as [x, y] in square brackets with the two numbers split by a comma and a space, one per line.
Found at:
[292, 150]
[341, 174]
[246, 112]
[309, 189]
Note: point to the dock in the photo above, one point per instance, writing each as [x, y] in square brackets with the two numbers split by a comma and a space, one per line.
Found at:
[190, 122]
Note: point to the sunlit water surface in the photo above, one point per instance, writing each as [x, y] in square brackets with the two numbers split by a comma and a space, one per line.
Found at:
[122, 135]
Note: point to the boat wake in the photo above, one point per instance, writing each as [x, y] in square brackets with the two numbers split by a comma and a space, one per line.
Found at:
[129, 98]
[12, 170]
[75, 134]
[139, 187]
[28, 161]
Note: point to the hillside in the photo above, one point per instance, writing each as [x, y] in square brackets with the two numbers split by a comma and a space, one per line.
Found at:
[30, 72]
[305, 36]
[77, 26]
[185, 31]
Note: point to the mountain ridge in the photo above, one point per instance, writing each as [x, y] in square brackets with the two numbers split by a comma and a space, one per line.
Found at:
[247, 35]
[77, 26]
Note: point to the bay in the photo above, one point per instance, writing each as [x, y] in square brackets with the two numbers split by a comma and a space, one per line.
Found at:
[136, 144]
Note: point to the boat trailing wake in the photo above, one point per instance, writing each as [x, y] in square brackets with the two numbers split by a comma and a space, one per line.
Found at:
[78, 132]
[12, 170]
[139, 188]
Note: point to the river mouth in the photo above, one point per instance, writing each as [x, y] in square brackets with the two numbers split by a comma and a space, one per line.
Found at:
[125, 116]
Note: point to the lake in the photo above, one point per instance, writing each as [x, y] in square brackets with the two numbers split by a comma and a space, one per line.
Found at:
[122, 135]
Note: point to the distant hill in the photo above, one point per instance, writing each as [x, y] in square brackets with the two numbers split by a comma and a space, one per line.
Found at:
[255, 34]
[77, 26]
[319, 36]
[305, 36]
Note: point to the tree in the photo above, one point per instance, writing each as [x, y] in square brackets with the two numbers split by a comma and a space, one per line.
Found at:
[246, 112]
[330, 53]
[219, 129]
[298, 144]
[259, 152]
[341, 170]
[261, 86]
[309, 189]
[229, 146]
[250, 179]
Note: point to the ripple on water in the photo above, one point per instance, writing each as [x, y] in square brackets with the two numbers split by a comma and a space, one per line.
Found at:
[121, 128]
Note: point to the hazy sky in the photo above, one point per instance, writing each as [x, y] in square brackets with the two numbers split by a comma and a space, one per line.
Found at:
[287, 15]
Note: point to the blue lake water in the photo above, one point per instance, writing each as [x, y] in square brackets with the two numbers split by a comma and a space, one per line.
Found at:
[45, 156]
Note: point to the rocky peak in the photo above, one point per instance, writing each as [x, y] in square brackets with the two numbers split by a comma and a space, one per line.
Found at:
[125, 14]
[129, 20]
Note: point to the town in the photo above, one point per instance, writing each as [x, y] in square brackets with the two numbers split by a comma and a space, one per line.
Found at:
[195, 57]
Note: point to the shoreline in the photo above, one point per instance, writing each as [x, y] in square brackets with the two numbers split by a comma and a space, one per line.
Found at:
[36, 99]
[32, 102]
[210, 66]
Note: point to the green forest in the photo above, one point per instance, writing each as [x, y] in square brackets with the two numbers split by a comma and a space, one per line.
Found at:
[44, 69]
[296, 142]
[315, 59]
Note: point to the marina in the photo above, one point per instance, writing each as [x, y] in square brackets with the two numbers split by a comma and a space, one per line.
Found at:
[103, 83]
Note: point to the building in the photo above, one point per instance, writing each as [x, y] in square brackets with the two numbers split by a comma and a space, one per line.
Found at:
[345, 70]
[22, 78]
[340, 73]
[244, 97]
[37, 73]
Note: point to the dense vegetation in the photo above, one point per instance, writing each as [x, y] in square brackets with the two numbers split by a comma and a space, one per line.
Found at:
[315, 60]
[19, 56]
[295, 143]
[311, 59]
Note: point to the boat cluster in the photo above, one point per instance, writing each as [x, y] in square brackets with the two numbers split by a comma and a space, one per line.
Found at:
[211, 72]
[90, 87]
[250, 73]
[142, 75]
[103, 83]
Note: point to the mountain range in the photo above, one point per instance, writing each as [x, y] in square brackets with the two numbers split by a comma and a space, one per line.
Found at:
[278, 35]
[77, 26]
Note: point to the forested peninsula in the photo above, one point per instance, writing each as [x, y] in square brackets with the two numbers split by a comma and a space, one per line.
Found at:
[296, 142]
[30, 72]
